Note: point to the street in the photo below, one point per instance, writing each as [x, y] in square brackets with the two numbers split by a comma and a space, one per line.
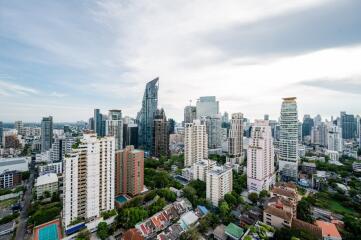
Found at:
[20, 231]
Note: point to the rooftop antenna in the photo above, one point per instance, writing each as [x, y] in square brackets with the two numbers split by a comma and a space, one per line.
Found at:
[190, 102]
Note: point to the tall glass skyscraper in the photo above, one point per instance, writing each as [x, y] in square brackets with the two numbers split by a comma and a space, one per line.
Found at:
[46, 133]
[348, 125]
[145, 117]
[288, 159]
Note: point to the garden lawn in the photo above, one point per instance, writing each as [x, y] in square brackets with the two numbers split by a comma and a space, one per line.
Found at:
[8, 202]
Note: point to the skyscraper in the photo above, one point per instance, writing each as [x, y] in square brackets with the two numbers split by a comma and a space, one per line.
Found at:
[348, 125]
[260, 158]
[195, 142]
[1, 134]
[114, 127]
[129, 171]
[46, 133]
[161, 136]
[235, 139]
[89, 178]
[307, 125]
[214, 130]
[190, 114]
[19, 126]
[130, 135]
[319, 134]
[145, 116]
[335, 138]
[97, 121]
[288, 156]
[207, 107]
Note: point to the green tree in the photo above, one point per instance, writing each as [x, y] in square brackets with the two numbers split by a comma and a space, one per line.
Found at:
[128, 217]
[25, 175]
[224, 211]
[253, 197]
[304, 211]
[83, 235]
[102, 230]
[263, 194]
[230, 199]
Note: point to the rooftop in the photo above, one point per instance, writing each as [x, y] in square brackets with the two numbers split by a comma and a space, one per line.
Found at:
[12, 161]
[328, 229]
[234, 231]
[278, 213]
[46, 179]
[284, 192]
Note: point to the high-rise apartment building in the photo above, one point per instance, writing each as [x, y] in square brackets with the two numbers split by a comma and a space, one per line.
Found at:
[161, 136]
[195, 142]
[89, 178]
[288, 144]
[114, 127]
[129, 171]
[19, 126]
[145, 116]
[201, 167]
[348, 125]
[219, 182]
[319, 134]
[235, 139]
[335, 138]
[190, 114]
[260, 158]
[46, 133]
[207, 107]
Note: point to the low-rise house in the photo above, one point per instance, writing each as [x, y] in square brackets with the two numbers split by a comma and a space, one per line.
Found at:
[171, 233]
[288, 193]
[188, 219]
[163, 219]
[219, 232]
[132, 234]
[277, 218]
[329, 231]
[310, 228]
[46, 183]
[308, 167]
[233, 231]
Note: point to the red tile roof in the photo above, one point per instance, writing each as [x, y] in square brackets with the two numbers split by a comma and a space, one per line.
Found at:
[132, 234]
[328, 229]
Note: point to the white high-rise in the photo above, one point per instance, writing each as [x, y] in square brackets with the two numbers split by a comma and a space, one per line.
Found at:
[89, 178]
[235, 139]
[200, 169]
[335, 138]
[195, 142]
[114, 127]
[260, 157]
[219, 182]
[288, 156]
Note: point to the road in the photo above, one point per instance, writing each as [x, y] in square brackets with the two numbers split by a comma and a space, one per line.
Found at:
[20, 231]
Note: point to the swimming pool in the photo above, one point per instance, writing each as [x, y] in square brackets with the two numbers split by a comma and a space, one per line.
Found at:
[49, 232]
[121, 199]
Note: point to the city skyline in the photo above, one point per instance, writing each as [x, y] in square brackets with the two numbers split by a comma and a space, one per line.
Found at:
[119, 46]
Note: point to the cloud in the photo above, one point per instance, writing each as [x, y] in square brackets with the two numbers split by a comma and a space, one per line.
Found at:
[350, 85]
[329, 25]
[101, 53]
[8, 89]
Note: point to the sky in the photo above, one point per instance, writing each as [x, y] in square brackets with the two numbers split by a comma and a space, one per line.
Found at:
[65, 58]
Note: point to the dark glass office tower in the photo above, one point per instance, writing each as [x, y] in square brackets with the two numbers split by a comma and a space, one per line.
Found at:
[145, 116]
[46, 133]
